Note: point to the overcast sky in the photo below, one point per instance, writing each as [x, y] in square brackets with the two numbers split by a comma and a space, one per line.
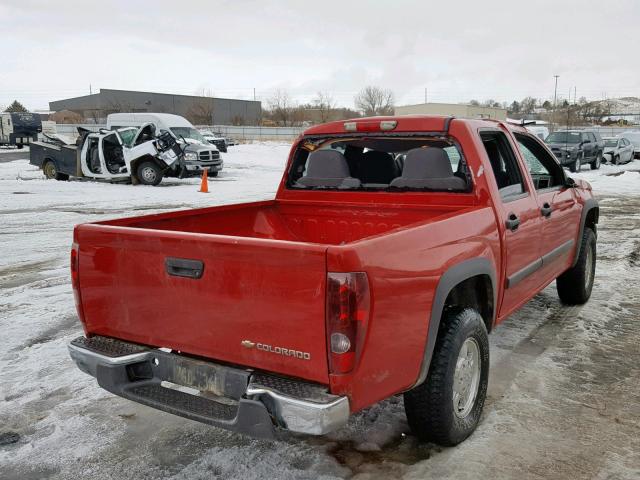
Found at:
[458, 50]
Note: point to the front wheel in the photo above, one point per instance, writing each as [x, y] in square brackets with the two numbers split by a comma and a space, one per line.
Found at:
[446, 408]
[616, 160]
[575, 166]
[574, 286]
[212, 174]
[595, 165]
[149, 173]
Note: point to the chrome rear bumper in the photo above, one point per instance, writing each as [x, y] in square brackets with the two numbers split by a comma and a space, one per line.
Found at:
[236, 399]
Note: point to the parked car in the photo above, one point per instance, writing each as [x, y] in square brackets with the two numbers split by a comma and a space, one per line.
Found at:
[214, 139]
[634, 138]
[617, 150]
[199, 154]
[126, 154]
[574, 148]
[366, 277]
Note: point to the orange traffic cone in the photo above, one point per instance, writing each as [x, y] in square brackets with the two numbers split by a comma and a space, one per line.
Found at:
[204, 184]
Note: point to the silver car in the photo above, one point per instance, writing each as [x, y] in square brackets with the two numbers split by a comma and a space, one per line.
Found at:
[634, 138]
[617, 150]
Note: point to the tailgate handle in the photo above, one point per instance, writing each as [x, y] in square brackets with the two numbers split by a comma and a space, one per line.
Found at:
[183, 267]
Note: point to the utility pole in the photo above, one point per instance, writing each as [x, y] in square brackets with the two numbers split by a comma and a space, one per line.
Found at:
[555, 98]
[90, 89]
[425, 94]
[254, 94]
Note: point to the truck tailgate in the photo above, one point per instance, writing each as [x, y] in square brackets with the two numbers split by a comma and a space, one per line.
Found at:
[259, 302]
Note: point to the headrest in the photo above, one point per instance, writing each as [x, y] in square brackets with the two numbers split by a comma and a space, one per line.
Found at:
[327, 164]
[427, 162]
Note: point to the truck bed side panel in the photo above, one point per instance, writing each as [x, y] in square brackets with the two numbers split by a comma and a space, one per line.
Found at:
[403, 270]
[271, 296]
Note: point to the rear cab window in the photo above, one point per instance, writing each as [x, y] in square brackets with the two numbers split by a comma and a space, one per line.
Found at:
[380, 163]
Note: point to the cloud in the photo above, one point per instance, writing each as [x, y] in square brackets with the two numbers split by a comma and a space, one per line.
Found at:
[458, 50]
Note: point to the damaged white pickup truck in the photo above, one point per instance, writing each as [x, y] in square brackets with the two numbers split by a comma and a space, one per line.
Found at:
[128, 154]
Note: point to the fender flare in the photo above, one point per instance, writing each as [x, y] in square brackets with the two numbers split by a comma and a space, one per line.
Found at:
[589, 205]
[452, 277]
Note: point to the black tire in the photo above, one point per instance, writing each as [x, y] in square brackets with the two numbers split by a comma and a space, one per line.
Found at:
[574, 286]
[430, 406]
[51, 172]
[149, 173]
[575, 166]
[212, 174]
[616, 160]
[595, 165]
[20, 146]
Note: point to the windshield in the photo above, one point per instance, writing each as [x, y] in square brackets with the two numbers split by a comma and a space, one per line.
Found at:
[188, 132]
[611, 142]
[380, 164]
[128, 135]
[564, 137]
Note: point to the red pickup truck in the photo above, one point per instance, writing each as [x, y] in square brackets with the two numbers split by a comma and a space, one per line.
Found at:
[393, 246]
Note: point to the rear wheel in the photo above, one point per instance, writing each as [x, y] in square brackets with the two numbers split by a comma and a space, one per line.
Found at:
[149, 173]
[51, 172]
[446, 408]
[20, 146]
[574, 286]
[595, 165]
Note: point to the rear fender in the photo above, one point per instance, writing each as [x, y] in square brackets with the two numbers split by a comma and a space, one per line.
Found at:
[589, 205]
[452, 277]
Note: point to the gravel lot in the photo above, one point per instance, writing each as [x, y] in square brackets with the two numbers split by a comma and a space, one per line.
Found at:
[564, 395]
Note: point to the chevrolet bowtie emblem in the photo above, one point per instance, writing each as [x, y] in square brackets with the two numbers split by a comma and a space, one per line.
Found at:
[247, 344]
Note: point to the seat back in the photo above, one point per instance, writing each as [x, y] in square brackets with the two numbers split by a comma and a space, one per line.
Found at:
[428, 167]
[327, 168]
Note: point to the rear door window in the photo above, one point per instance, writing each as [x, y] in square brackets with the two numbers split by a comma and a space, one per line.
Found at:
[504, 165]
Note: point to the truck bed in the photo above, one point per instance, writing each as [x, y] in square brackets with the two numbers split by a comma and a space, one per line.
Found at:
[292, 222]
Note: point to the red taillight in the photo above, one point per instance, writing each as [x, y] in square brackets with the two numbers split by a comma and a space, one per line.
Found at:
[347, 318]
[75, 279]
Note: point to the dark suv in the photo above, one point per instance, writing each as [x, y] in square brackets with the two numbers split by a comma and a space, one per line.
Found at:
[574, 148]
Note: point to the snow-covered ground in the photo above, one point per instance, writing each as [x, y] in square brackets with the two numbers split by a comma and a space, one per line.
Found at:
[564, 397]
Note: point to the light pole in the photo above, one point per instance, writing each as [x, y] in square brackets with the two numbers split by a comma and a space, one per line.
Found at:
[555, 98]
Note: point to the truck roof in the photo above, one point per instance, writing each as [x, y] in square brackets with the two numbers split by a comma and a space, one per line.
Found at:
[405, 123]
[166, 118]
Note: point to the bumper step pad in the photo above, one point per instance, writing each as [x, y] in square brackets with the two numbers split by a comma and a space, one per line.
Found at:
[109, 347]
[176, 401]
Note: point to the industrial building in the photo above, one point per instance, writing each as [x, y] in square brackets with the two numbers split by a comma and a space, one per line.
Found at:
[460, 110]
[199, 110]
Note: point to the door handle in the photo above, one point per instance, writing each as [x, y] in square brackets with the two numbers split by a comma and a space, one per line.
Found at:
[546, 210]
[183, 267]
[513, 222]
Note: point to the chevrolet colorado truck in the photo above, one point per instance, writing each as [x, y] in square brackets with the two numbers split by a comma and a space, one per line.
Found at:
[393, 246]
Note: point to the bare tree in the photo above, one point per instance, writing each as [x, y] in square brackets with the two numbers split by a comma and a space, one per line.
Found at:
[201, 110]
[374, 100]
[325, 105]
[528, 104]
[281, 108]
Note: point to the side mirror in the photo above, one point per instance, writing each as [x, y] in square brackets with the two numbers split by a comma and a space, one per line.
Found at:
[569, 182]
